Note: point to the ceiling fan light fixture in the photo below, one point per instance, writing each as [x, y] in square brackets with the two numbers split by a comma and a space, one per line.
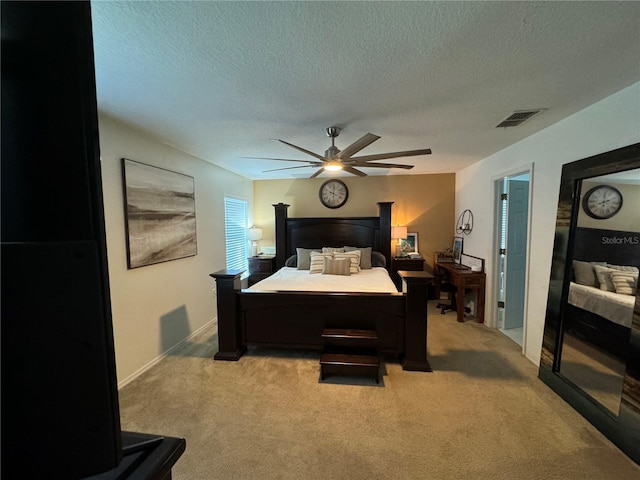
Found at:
[333, 166]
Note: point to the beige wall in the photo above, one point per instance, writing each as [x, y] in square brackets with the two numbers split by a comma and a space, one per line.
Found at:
[158, 306]
[424, 203]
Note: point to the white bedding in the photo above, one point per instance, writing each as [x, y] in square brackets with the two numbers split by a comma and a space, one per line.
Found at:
[374, 280]
[612, 306]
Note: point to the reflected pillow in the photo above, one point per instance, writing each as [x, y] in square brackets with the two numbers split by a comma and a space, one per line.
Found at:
[365, 256]
[584, 273]
[623, 268]
[625, 283]
[604, 277]
[336, 266]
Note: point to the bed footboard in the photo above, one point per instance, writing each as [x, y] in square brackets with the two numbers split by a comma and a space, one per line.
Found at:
[296, 319]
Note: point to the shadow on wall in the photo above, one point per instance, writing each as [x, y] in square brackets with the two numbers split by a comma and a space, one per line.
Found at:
[174, 328]
[174, 332]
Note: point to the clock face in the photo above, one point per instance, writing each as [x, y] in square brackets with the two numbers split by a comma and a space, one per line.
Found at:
[333, 193]
[601, 202]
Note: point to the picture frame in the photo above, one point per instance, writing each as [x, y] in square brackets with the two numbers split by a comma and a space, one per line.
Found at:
[457, 249]
[160, 214]
[409, 245]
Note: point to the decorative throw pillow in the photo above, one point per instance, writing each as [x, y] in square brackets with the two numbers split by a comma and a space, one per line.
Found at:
[378, 260]
[624, 268]
[336, 267]
[354, 258]
[604, 277]
[625, 283]
[332, 250]
[304, 258]
[584, 274]
[316, 263]
[292, 261]
[365, 256]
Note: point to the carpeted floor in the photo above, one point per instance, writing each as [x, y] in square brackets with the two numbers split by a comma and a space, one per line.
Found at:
[482, 414]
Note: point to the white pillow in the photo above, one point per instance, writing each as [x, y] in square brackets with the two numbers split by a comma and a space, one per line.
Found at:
[354, 258]
[317, 261]
[332, 249]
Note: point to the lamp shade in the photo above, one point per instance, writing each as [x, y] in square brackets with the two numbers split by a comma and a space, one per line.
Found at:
[398, 232]
[254, 233]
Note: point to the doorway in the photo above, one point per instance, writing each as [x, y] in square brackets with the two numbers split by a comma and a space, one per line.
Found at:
[512, 234]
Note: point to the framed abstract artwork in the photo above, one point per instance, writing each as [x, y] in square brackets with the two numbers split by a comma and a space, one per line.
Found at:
[160, 214]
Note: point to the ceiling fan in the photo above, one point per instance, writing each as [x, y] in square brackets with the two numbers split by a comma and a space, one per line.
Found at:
[334, 159]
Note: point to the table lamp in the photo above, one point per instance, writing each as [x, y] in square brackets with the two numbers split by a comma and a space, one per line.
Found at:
[254, 234]
[398, 233]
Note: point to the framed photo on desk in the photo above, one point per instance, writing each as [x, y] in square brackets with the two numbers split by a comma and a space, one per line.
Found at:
[457, 249]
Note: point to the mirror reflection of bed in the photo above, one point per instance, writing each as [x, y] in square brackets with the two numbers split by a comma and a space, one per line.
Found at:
[590, 348]
[601, 297]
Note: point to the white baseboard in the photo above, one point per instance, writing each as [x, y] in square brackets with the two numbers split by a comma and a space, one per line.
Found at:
[153, 362]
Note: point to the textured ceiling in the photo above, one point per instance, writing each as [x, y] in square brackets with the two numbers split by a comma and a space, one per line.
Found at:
[221, 80]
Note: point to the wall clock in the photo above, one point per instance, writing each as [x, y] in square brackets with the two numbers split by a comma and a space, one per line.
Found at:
[333, 193]
[602, 201]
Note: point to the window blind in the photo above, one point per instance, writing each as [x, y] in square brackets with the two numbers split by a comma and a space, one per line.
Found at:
[235, 233]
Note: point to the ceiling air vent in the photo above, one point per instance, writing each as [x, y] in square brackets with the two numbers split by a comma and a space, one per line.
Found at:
[518, 117]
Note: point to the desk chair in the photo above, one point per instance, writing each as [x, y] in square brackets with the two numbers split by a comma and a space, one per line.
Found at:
[452, 290]
[446, 286]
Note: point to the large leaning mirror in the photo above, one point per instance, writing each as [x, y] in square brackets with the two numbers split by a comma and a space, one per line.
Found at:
[591, 344]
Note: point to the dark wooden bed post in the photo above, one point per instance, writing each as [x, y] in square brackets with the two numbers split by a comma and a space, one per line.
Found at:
[416, 285]
[230, 346]
[281, 233]
[385, 230]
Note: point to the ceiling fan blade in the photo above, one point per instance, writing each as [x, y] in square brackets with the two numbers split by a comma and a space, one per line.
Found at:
[383, 156]
[358, 145]
[354, 171]
[315, 155]
[380, 165]
[287, 168]
[317, 172]
[311, 162]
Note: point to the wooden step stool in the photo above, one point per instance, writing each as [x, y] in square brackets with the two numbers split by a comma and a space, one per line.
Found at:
[350, 352]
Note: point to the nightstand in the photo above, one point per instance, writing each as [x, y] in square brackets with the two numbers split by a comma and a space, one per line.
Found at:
[261, 267]
[404, 263]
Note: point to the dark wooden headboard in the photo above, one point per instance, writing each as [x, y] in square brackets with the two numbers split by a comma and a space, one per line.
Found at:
[611, 246]
[318, 232]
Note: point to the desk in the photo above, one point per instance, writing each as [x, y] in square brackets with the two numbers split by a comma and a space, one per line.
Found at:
[463, 278]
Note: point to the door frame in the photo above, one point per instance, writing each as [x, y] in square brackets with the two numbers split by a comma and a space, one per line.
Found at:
[492, 304]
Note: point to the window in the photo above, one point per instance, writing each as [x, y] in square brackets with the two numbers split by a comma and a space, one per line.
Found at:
[235, 232]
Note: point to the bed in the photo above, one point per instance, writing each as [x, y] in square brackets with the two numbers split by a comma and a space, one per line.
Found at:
[276, 314]
[602, 293]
